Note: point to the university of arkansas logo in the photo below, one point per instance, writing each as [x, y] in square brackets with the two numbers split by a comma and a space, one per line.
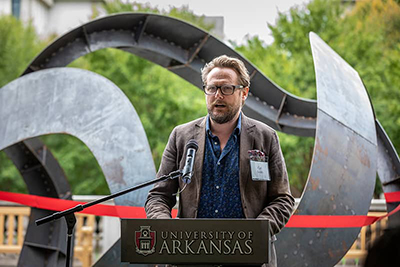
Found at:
[145, 241]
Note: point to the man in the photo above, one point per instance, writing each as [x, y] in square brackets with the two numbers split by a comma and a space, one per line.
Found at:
[225, 183]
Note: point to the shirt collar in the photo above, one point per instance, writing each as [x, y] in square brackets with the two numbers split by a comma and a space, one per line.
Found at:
[236, 131]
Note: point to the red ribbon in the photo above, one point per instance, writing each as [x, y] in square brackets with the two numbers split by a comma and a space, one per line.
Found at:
[335, 221]
[392, 197]
[128, 212]
[342, 221]
[57, 204]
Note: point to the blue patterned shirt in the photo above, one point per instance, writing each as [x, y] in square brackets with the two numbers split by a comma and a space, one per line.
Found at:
[220, 192]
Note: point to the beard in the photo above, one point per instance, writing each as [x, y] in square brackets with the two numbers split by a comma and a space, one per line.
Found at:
[226, 116]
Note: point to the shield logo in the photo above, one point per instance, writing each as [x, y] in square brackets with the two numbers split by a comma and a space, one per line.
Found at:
[145, 241]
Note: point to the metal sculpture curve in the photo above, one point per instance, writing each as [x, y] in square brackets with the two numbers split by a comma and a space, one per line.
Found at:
[349, 148]
[93, 109]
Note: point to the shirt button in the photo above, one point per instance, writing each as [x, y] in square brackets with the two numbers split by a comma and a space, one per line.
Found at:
[217, 187]
[219, 163]
[216, 211]
[215, 143]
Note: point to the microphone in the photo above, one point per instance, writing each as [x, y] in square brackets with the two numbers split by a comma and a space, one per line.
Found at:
[191, 148]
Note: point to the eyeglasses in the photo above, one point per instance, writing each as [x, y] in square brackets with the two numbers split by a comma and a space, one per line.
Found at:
[226, 89]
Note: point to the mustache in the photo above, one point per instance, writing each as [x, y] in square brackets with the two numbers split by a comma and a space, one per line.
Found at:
[218, 102]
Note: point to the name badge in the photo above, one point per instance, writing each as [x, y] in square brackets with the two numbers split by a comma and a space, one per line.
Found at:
[259, 171]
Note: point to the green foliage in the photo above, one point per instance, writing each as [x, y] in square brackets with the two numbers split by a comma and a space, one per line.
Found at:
[18, 46]
[161, 99]
[374, 51]
[183, 13]
[10, 178]
[366, 35]
[82, 170]
[298, 153]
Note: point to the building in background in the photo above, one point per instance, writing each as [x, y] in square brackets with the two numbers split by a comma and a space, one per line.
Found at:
[60, 16]
[50, 16]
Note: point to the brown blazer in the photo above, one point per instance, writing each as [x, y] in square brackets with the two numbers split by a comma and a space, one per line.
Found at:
[265, 200]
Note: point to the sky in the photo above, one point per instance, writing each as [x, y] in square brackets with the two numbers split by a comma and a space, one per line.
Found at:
[241, 18]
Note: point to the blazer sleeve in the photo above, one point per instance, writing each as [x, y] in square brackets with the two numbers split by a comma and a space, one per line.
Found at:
[280, 202]
[161, 198]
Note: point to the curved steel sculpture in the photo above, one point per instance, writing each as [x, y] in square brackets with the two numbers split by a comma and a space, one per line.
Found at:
[343, 166]
[91, 108]
[183, 49]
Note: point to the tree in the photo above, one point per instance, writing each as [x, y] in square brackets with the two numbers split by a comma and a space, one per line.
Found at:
[161, 99]
[366, 35]
[18, 45]
[183, 13]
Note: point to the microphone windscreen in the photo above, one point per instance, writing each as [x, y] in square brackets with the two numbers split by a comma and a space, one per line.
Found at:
[192, 144]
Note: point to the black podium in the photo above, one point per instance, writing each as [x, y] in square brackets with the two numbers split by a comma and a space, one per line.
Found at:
[195, 241]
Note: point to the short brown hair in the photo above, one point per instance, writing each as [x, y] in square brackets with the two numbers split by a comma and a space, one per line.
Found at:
[227, 62]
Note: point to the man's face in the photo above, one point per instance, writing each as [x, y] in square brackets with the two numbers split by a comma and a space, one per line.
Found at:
[224, 108]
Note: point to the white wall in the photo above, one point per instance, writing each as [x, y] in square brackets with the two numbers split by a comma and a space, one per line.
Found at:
[65, 16]
[35, 12]
[5, 7]
[218, 22]
[52, 16]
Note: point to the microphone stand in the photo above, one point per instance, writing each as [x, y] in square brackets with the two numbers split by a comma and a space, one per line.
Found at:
[70, 216]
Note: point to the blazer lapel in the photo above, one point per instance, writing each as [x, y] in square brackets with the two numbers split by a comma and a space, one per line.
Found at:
[200, 137]
[246, 144]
